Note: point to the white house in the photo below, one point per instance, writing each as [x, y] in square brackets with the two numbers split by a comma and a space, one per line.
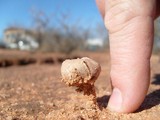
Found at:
[94, 43]
[18, 38]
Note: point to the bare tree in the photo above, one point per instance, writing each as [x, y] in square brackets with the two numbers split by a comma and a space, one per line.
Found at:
[41, 23]
[65, 34]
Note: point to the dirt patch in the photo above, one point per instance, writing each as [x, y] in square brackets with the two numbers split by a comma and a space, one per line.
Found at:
[35, 92]
[18, 58]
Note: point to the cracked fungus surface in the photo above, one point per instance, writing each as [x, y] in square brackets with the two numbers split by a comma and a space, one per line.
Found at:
[81, 73]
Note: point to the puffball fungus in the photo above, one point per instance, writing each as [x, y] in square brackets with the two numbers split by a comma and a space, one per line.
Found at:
[81, 73]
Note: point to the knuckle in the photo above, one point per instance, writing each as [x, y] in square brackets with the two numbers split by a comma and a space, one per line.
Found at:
[117, 16]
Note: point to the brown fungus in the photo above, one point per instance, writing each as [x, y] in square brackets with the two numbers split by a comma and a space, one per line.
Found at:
[81, 73]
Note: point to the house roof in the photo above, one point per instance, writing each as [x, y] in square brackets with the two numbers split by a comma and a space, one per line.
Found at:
[13, 29]
[20, 30]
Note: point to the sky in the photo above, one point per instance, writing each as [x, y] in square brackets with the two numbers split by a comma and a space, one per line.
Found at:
[19, 12]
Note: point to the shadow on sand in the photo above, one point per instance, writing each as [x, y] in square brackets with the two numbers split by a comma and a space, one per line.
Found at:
[103, 101]
[156, 80]
[150, 101]
[153, 98]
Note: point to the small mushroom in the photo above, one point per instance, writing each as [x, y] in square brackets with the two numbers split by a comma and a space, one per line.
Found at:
[81, 73]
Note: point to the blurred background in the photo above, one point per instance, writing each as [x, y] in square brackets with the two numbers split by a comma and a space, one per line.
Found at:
[55, 26]
[52, 26]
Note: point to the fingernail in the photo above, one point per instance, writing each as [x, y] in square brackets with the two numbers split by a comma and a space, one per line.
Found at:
[115, 102]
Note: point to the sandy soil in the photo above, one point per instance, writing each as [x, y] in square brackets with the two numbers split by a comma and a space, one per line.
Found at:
[35, 91]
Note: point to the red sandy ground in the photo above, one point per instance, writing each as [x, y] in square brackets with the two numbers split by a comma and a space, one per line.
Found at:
[35, 91]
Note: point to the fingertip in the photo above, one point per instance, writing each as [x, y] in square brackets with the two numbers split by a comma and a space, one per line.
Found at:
[127, 100]
[115, 102]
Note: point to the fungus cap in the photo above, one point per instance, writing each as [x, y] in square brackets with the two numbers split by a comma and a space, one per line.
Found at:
[79, 71]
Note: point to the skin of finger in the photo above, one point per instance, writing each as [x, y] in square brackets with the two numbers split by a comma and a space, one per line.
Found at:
[130, 62]
[130, 50]
[101, 6]
[118, 14]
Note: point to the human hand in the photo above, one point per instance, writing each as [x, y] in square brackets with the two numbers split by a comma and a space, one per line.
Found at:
[130, 24]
